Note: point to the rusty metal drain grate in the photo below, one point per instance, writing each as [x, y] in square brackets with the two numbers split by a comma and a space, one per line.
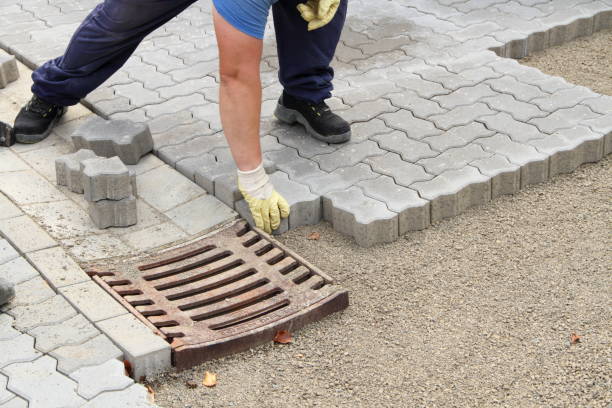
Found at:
[221, 294]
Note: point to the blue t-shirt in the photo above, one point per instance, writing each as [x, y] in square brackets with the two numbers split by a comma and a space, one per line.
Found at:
[248, 16]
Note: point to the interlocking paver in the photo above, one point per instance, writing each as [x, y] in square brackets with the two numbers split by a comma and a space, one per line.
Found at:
[31, 292]
[403, 173]
[365, 219]
[135, 396]
[68, 169]
[7, 332]
[433, 71]
[5, 394]
[17, 270]
[21, 349]
[109, 376]
[413, 211]
[73, 331]
[92, 352]
[54, 310]
[453, 159]
[201, 214]
[42, 385]
[8, 69]
[534, 165]
[414, 127]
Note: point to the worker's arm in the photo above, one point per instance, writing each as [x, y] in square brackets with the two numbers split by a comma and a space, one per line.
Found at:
[240, 105]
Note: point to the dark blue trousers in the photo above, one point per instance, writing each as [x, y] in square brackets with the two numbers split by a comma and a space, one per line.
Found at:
[112, 31]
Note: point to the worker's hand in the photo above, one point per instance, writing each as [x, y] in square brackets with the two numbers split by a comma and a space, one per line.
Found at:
[318, 12]
[266, 205]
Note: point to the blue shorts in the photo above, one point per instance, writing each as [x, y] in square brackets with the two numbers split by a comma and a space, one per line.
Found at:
[248, 16]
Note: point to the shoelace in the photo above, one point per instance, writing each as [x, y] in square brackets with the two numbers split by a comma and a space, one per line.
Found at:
[36, 105]
[319, 108]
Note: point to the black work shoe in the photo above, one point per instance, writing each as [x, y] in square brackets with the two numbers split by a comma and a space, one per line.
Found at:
[318, 119]
[35, 120]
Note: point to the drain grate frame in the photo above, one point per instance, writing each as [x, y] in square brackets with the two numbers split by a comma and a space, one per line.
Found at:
[221, 294]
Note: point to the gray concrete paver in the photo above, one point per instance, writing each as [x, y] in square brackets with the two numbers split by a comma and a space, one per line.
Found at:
[95, 351]
[73, 331]
[440, 84]
[21, 350]
[108, 376]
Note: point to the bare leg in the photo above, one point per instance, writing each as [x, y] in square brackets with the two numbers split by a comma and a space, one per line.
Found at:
[240, 92]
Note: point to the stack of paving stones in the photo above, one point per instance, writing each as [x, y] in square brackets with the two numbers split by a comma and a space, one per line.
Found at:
[8, 70]
[55, 338]
[442, 119]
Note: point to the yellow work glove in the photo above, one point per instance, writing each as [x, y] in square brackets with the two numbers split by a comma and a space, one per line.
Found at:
[318, 12]
[266, 205]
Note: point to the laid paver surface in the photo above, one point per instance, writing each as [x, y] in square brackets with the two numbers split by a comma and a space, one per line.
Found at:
[420, 69]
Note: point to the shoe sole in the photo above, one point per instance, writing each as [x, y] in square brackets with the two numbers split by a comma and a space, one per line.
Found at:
[39, 137]
[291, 116]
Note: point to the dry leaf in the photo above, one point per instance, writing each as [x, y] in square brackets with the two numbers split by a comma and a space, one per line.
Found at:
[192, 384]
[210, 379]
[574, 338]
[315, 236]
[151, 394]
[128, 368]
[283, 337]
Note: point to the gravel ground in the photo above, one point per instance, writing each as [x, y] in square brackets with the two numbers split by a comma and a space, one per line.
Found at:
[474, 311]
[586, 61]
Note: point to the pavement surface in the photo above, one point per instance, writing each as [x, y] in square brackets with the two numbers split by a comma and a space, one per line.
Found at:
[440, 123]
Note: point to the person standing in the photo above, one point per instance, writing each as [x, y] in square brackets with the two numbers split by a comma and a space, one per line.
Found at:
[306, 35]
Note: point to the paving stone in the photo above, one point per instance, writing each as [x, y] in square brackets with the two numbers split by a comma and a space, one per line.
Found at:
[413, 211]
[105, 179]
[137, 94]
[363, 131]
[73, 331]
[57, 267]
[226, 189]
[410, 150]
[366, 111]
[147, 352]
[420, 107]
[447, 79]
[425, 89]
[534, 165]
[454, 191]
[565, 98]
[135, 396]
[403, 173]
[7, 252]
[480, 74]
[601, 104]
[460, 116]
[602, 125]
[41, 385]
[458, 136]
[201, 214]
[49, 312]
[21, 349]
[17, 270]
[15, 402]
[569, 148]
[92, 301]
[297, 137]
[31, 292]
[414, 127]
[192, 148]
[25, 234]
[8, 70]
[27, 187]
[128, 140]
[92, 352]
[154, 236]
[114, 213]
[164, 188]
[8, 209]
[109, 376]
[61, 219]
[348, 155]
[296, 167]
[520, 111]
[518, 131]
[520, 91]
[464, 96]
[9, 162]
[367, 220]
[210, 172]
[564, 118]
[339, 179]
[209, 112]
[68, 169]
[505, 176]
[7, 332]
[453, 159]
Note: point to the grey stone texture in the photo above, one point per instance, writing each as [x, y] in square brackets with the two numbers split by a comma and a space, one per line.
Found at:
[68, 169]
[113, 213]
[8, 69]
[128, 140]
[105, 179]
[92, 352]
[427, 84]
[92, 301]
[94, 380]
